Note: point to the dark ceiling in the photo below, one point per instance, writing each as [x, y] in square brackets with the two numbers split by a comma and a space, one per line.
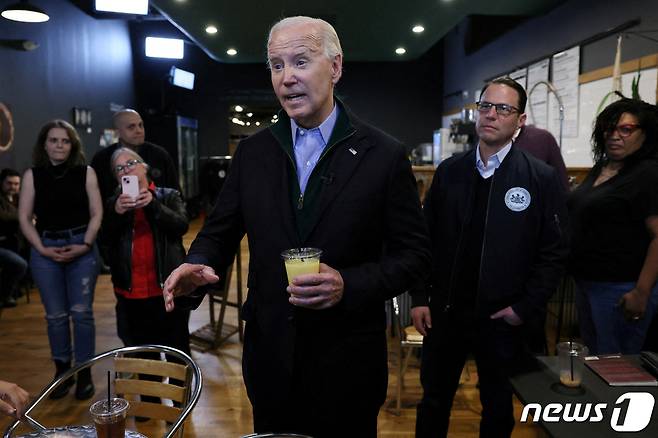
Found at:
[369, 30]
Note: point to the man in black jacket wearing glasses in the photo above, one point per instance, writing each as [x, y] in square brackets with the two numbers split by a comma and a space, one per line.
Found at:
[495, 216]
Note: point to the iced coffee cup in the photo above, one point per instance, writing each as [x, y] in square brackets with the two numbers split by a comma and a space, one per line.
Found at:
[301, 261]
[570, 356]
[110, 420]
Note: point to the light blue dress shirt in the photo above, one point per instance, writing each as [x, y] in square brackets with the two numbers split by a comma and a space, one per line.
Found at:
[492, 163]
[308, 144]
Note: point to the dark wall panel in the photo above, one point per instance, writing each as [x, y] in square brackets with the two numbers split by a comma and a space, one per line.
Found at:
[80, 62]
[403, 99]
[215, 89]
[565, 26]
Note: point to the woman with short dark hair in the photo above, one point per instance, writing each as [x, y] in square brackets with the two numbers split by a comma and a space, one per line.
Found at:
[62, 193]
[614, 215]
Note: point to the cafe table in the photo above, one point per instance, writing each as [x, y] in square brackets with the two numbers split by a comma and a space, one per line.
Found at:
[85, 431]
[612, 410]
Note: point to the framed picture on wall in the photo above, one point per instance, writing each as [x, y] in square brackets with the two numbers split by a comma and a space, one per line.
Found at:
[6, 128]
[82, 118]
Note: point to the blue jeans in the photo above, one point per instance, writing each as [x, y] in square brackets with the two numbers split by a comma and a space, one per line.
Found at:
[67, 293]
[13, 269]
[602, 324]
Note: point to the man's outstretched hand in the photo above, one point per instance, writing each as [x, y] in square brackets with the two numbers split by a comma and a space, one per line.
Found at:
[184, 280]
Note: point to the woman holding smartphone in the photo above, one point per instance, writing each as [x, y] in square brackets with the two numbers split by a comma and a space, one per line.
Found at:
[145, 225]
[61, 191]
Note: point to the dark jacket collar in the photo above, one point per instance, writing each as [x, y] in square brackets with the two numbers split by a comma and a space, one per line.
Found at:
[343, 128]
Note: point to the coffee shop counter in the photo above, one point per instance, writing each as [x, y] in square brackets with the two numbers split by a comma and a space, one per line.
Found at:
[594, 409]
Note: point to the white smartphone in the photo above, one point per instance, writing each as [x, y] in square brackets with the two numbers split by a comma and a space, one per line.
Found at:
[130, 185]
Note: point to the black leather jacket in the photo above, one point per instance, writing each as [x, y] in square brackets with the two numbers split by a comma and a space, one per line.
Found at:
[168, 219]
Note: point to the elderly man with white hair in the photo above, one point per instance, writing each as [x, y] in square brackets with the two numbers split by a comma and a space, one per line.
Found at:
[314, 359]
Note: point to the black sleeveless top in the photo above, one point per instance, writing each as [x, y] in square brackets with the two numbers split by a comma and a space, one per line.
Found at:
[60, 197]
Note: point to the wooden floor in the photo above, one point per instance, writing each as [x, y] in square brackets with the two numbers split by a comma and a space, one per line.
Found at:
[223, 410]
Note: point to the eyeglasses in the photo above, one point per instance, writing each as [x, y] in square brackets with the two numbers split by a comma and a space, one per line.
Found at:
[502, 109]
[623, 130]
[129, 165]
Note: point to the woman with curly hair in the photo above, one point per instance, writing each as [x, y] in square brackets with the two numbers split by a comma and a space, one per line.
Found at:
[614, 216]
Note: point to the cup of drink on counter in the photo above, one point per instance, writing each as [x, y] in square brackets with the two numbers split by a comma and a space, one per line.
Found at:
[571, 356]
[110, 420]
[300, 261]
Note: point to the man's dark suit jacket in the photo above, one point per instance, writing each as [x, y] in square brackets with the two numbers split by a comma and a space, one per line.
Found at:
[369, 225]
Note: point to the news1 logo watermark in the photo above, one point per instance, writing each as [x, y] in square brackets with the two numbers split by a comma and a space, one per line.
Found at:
[630, 413]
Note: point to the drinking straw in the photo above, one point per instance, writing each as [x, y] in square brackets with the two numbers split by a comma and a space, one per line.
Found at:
[108, 391]
[571, 357]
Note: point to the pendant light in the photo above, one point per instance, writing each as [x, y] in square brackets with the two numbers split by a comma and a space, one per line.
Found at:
[24, 12]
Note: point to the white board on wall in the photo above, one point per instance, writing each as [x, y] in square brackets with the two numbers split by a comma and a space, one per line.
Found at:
[564, 75]
[520, 76]
[538, 93]
[577, 151]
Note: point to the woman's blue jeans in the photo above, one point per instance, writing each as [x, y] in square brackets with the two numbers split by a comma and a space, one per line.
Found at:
[602, 324]
[67, 293]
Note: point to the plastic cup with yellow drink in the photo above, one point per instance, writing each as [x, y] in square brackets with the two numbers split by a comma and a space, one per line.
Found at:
[301, 261]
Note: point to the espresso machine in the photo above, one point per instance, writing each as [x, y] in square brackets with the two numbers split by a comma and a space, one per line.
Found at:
[462, 130]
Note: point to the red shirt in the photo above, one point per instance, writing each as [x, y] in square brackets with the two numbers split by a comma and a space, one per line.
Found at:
[144, 273]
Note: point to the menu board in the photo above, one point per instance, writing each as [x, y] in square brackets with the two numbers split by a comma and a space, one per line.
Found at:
[538, 94]
[564, 74]
[520, 76]
[620, 371]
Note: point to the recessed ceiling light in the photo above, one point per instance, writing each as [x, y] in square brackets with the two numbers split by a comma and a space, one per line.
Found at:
[238, 108]
[211, 30]
[257, 123]
[418, 29]
[250, 114]
[400, 50]
[231, 52]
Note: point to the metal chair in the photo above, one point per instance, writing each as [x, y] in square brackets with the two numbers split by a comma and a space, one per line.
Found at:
[188, 395]
[409, 339]
[561, 315]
